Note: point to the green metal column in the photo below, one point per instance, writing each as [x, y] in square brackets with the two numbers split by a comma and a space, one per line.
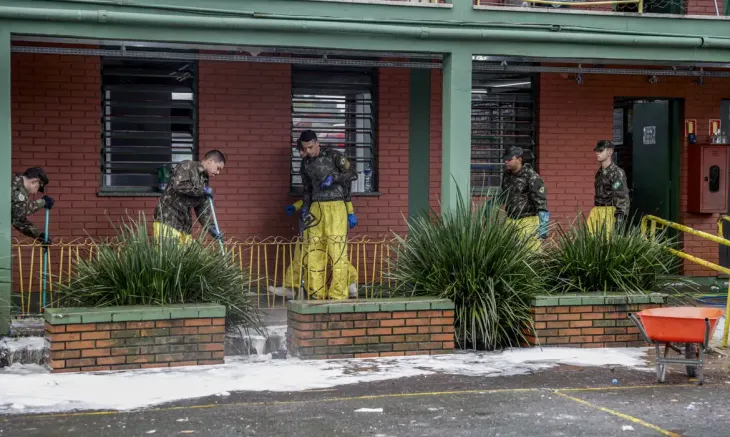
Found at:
[5, 175]
[419, 139]
[462, 8]
[456, 154]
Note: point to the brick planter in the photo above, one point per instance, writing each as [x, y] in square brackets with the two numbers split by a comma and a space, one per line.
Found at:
[134, 337]
[370, 328]
[589, 320]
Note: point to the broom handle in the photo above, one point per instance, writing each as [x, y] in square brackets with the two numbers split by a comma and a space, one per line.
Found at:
[215, 221]
[45, 258]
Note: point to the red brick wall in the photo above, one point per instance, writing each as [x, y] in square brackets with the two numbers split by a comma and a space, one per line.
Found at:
[386, 213]
[704, 7]
[56, 103]
[94, 347]
[568, 132]
[244, 111]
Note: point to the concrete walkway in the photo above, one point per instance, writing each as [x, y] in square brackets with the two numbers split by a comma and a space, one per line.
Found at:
[563, 401]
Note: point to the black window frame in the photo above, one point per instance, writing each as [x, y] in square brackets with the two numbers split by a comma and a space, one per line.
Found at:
[309, 84]
[141, 75]
[498, 123]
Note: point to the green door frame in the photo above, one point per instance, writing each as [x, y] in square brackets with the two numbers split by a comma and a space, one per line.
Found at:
[419, 139]
[676, 115]
[5, 173]
[676, 140]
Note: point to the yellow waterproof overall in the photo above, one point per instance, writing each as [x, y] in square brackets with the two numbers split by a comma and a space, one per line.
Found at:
[325, 248]
[293, 274]
[528, 227]
[162, 230]
[602, 216]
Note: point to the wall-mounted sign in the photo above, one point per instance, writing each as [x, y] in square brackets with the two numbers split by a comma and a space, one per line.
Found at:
[649, 136]
[618, 127]
[690, 127]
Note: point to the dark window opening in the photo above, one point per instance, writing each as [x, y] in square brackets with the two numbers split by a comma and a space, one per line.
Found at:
[503, 114]
[148, 121]
[339, 105]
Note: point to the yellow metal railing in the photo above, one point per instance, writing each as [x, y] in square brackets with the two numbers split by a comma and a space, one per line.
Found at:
[723, 218]
[640, 3]
[265, 261]
[653, 222]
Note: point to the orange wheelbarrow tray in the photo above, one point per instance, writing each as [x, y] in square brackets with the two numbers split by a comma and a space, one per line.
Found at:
[692, 326]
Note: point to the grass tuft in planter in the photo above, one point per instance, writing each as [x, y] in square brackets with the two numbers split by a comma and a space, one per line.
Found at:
[478, 259]
[137, 269]
[622, 261]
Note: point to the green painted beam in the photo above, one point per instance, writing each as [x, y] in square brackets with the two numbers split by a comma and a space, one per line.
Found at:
[329, 35]
[5, 175]
[461, 13]
[419, 139]
[456, 148]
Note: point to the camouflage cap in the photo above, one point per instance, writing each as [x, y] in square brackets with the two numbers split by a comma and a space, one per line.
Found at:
[603, 144]
[37, 173]
[513, 152]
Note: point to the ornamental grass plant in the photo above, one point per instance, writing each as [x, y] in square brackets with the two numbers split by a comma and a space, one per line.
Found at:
[622, 261]
[137, 269]
[477, 258]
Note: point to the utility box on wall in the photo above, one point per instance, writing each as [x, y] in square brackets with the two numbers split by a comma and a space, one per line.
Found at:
[708, 173]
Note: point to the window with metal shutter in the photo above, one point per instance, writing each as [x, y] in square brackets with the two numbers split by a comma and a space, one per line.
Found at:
[503, 114]
[148, 121]
[339, 105]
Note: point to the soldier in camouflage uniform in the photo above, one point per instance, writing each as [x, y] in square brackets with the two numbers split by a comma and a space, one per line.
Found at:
[188, 189]
[525, 196]
[327, 178]
[292, 275]
[32, 181]
[612, 192]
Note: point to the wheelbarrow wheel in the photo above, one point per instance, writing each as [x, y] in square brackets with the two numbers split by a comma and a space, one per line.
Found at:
[691, 353]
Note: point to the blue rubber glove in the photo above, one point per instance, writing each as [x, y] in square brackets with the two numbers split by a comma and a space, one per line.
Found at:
[351, 220]
[215, 233]
[542, 229]
[307, 219]
[49, 202]
[290, 210]
[44, 239]
[208, 192]
[327, 182]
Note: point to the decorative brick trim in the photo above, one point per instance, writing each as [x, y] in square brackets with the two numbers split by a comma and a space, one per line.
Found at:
[589, 321]
[370, 328]
[81, 339]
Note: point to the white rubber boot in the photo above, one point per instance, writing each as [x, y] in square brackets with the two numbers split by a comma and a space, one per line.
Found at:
[353, 290]
[281, 291]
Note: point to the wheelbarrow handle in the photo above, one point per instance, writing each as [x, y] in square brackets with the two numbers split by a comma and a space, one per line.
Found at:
[640, 326]
[707, 332]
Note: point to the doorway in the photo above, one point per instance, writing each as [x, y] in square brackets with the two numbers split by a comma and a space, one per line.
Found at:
[647, 134]
[725, 121]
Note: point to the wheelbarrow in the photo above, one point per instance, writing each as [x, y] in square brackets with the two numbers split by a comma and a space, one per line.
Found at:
[692, 326]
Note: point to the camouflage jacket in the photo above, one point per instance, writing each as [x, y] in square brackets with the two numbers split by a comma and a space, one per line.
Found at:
[525, 193]
[22, 207]
[612, 189]
[315, 170]
[183, 193]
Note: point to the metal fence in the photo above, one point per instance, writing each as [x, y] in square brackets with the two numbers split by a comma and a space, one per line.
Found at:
[266, 262]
